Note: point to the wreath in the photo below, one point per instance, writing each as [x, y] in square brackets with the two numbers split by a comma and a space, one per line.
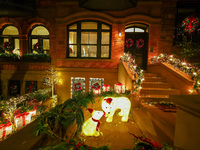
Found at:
[77, 86]
[140, 43]
[38, 48]
[190, 23]
[129, 43]
[96, 86]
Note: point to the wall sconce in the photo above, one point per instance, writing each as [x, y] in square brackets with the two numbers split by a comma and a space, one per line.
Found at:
[120, 34]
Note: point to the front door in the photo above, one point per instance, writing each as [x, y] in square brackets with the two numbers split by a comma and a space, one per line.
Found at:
[136, 43]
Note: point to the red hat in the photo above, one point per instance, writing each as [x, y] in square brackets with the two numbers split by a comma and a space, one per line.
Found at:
[108, 100]
[90, 110]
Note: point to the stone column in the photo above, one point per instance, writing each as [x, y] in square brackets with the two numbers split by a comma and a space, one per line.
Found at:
[23, 39]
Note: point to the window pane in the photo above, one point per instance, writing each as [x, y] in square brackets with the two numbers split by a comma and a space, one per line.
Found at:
[16, 43]
[105, 27]
[72, 50]
[34, 41]
[88, 37]
[129, 30]
[139, 30]
[40, 30]
[89, 25]
[45, 44]
[6, 40]
[72, 37]
[10, 30]
[88, 51]
[105, 51]
[74, 26]
[105, 38]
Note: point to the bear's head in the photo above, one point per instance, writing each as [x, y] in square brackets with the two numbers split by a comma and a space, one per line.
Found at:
[96, 114]
[106, 105]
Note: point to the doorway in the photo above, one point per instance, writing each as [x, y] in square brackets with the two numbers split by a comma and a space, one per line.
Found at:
[136, 43]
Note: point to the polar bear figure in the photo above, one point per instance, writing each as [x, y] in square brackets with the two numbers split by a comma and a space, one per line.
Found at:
[111, 104]
[91, 126]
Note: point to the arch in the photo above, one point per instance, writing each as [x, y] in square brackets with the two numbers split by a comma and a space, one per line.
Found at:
[10, 30]
[10, 21]
[29, 24]
[42, 31]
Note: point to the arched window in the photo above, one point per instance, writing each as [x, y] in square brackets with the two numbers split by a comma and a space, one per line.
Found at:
[89, 39]
[39, 40]
[9, 38]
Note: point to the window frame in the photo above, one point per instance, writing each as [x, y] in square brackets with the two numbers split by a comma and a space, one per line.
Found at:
[40, 39]
[99, 31]
[9, 37]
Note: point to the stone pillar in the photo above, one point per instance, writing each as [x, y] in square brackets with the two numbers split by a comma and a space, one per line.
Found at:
[23, 39]
[187, 128]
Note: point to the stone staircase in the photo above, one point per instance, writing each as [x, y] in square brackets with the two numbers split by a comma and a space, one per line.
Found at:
[156, 88]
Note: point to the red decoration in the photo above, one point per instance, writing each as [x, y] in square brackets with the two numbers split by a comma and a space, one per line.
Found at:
[96, 87]
[5, 45]
[108, 100]
[140, 43]
[129, 43]
[119, 88]
[98, 124]
[90, 110]
[4, 129]
[77, 86]
[190, 24]
[21, 116]
[106, 88]
[36, 46]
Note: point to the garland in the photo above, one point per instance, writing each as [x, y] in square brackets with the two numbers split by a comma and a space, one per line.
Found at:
[140, 43]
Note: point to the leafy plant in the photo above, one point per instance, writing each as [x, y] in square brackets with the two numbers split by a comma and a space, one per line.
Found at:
[36, 57]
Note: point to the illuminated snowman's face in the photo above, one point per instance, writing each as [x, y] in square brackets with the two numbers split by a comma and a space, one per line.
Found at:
[97, 115]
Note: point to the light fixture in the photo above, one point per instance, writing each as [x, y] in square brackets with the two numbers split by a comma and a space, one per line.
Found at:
[120, 34]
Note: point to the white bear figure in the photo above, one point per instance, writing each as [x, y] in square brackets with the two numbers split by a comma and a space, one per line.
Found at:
[91, 126]
[111, 104]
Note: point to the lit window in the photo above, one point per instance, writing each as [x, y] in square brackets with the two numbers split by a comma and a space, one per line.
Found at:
[39, 40]
[9, 34]
[89, 39]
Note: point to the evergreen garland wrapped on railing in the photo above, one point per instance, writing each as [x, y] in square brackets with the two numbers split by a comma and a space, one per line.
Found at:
[184, 66]
[136, 71]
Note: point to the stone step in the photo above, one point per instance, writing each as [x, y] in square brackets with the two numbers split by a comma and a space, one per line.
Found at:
[162, 97]
[159, 91]
[155, 85]
[150, 74]
[154, 79]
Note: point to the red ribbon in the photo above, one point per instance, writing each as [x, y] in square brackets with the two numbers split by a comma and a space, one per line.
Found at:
[119, 84]
[98, 124]
[4, 126]
[23, 115]
[106, 86]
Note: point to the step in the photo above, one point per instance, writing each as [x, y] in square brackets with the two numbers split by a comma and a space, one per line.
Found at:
[154, 79]
[159, 91]
[150, 74]
[142, 96]
[156, 85]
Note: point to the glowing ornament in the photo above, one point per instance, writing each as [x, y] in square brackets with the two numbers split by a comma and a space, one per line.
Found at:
[32, 112]
[106, 88]
[22, 119]
[96, 88]
[5, 129]
[111, 104]
[91, 126]
[119, 88]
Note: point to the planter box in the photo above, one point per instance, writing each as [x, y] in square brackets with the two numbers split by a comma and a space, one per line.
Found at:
[9, 59]
[36, 59]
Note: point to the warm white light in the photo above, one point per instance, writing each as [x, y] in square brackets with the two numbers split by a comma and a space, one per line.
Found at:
[120, 34]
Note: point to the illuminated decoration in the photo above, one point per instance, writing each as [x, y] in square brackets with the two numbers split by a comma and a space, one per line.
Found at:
[22, 119]
[129, 42]
[32, 112]
[136, 71]
[96, 85]
[96, 88]
[5, 129]
[91, 126]
[186, 67]
[119, 88]
[77, 83]
[111, 104]
[31, 86]
[140, 43]
[106, 88]
[190, 24]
